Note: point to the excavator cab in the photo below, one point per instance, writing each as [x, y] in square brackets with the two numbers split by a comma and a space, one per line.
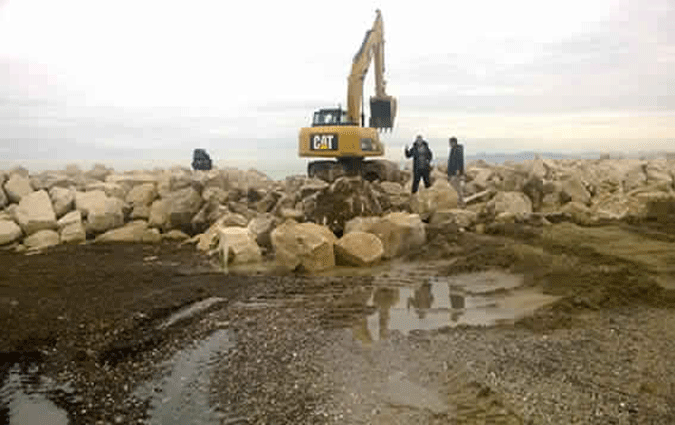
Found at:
[382, 112]
[335, 116]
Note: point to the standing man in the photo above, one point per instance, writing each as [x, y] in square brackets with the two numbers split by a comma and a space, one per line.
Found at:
[456, 169]
[422, 156]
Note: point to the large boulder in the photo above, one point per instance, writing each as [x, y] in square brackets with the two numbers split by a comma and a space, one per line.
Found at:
[573, 189]
[578, 212]
[85, 201]
[35, 213]
[9, 232]
[136, 231]
[70, 218]
[360, 224]
[112, 190]
[142, 194]
[399, 198]
[440, 196]
[209, 239]
[358, 249]
[307, 246]
[516, 203]
[399, 232]
[237, 246]
[181, 206]
[63, 200]
[17, 187]
[98, 172]
[616, 206]
[42, 239]
[105, 215]
[462, 218]
[261, 227]
[72, 233]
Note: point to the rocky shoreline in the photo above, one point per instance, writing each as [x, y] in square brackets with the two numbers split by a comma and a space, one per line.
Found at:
[309, 224]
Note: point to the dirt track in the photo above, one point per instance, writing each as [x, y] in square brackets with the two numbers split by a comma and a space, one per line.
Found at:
[603, 353]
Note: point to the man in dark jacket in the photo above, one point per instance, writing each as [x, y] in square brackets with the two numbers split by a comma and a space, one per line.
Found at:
[422, 156]
[456, 169]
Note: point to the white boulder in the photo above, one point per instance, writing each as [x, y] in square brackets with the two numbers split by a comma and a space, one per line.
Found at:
[9, 232]
[399, 232]
[41, 239]
[63, 200]
[35, 212]
[307, 246]
[105, 215]
[17, 187]
[237, 246]
[516, 203]
[358, 249]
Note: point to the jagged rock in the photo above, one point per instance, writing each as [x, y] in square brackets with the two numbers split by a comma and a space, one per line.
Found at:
[143, 194]
[614, 207]
[17, 187]
[130, 179]
[481, 178]
[68, 219]
[399, 198]
[307, 246]
[217, 194]
[9, 232]
[85, 201]
[634, 178]
[112, 190]
[72, 233]
[312, 186]
[181, 206]
[35, 213]
[360, 224]
[140, 212]
[98, 172]
[210, 212]
[578, 212]
[207, 240]
[399, 232]
[72, 170]
[292, 184]
[261, 227]
[159, 214]
[268, 202]
[440, 196]
[358, 249]
[462, 218]
[105, 215]
[240, 208]
[175, 235]
[509, 202]
[41, 239]
[237, 246]
[291, 213]
[63, 200]
[136, 231]
[573, 189]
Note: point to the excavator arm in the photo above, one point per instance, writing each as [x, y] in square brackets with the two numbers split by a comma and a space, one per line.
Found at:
[382, 106]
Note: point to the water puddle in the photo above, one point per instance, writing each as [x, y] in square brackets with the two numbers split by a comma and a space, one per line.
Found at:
[182, 395]
[476, 299]
[25, 396]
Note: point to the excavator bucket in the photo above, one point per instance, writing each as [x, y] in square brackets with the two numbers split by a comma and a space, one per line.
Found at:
[382, 113]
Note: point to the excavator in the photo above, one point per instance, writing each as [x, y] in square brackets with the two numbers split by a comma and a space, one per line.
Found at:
[342, 134]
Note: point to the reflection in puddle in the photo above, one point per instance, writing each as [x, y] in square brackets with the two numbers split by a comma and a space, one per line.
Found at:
[477, 299]
[182, 397]
[23, 396]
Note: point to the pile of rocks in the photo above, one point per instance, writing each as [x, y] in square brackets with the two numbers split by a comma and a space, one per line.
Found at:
[308, 223]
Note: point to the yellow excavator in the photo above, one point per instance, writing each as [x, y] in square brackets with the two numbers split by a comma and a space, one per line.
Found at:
[336, 133]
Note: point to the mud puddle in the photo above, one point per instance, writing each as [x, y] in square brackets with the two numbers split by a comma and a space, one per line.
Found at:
[26, 396]
[474, 299]
[182, 393]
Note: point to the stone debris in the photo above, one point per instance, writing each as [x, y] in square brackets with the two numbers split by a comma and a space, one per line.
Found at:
[298, 220]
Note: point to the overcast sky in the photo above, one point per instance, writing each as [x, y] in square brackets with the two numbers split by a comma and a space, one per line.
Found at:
[242, 78]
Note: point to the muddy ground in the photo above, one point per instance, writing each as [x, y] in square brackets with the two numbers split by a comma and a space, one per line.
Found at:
[95, 321]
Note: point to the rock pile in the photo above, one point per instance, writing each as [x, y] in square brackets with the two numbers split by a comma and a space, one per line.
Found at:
[309, 224]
